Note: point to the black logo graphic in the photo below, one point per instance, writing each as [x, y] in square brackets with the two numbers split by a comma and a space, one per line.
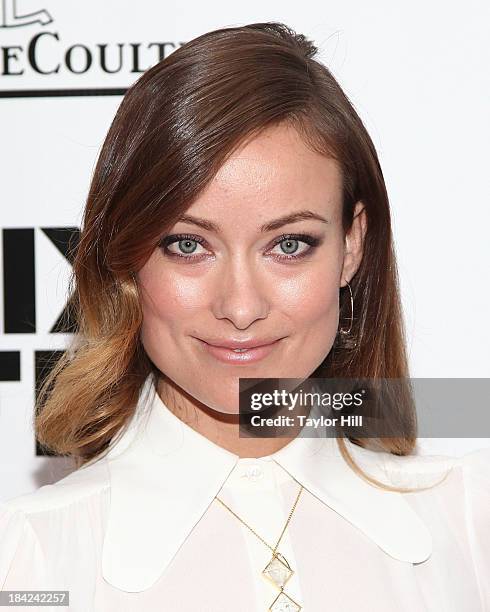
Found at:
[19, 282]
[9, 17]
[45, 53]
[19, 309]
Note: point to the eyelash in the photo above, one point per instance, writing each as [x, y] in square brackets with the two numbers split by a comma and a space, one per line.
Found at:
[166, 241]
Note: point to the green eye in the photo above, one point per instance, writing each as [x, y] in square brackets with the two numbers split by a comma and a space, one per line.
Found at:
[289, 245]
[187, 245]
[295, 246]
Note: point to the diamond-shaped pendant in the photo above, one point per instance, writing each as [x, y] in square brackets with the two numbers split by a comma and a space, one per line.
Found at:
[278, 570]
[284, 603]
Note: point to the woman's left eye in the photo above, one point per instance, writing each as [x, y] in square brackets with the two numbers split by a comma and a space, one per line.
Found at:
[295, 246]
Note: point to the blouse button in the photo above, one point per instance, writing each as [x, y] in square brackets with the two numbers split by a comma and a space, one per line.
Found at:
[253, 473]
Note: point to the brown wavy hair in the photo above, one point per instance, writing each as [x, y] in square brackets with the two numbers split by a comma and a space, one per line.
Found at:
[173, 130]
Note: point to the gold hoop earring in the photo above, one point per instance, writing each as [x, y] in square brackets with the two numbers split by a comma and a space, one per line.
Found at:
[349, 342]
[345, 332]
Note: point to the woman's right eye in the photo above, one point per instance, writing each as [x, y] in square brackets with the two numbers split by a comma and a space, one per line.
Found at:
[182, 245]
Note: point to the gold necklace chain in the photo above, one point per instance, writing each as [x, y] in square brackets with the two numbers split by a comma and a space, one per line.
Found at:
[254, 532]
[278, 570]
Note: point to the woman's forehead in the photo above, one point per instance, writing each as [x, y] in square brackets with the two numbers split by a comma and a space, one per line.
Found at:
[278, 154]
[274, 173]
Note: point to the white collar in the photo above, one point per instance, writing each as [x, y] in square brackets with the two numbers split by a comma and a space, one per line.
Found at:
[164, 475]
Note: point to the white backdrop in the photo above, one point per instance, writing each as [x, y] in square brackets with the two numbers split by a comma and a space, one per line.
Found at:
[416, 72]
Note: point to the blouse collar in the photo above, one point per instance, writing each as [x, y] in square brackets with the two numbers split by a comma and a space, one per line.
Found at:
[164, 475]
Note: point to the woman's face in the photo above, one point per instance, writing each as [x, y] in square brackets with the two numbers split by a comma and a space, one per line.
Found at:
[259, 259]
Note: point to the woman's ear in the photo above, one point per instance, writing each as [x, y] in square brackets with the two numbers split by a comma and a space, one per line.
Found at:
[354, 244]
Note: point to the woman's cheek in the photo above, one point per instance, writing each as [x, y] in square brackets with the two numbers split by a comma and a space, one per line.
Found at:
[309, 294]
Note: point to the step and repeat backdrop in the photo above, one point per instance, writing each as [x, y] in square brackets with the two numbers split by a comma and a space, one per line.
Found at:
[417, 74]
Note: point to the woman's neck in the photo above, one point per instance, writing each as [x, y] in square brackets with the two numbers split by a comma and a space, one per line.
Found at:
[218, 427]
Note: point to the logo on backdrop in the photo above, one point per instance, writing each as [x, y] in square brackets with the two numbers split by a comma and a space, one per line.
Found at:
[31, 46]
[19, 282]
[10, 17]
[20, 260]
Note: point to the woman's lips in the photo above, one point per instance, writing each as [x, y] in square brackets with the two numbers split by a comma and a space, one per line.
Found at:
[251, 355]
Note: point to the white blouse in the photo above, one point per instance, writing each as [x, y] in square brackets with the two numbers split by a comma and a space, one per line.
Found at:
[139, 528]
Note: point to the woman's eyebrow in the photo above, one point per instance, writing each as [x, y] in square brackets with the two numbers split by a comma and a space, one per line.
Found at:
[266, 227]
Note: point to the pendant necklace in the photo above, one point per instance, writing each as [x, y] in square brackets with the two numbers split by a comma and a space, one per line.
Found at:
[278, 571]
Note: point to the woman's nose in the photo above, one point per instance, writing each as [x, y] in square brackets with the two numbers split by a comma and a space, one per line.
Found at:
[242, 295]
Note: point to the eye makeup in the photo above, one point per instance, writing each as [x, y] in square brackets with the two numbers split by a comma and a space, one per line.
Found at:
[312, 242]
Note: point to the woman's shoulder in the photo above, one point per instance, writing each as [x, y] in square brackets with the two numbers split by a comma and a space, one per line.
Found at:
[32, 528]
[475, 476]
[470, 468]
[457, 510]
[423, 471]
[476, 463]
[81, 483]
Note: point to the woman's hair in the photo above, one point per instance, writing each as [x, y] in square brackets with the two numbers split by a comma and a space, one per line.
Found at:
[174, 129]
